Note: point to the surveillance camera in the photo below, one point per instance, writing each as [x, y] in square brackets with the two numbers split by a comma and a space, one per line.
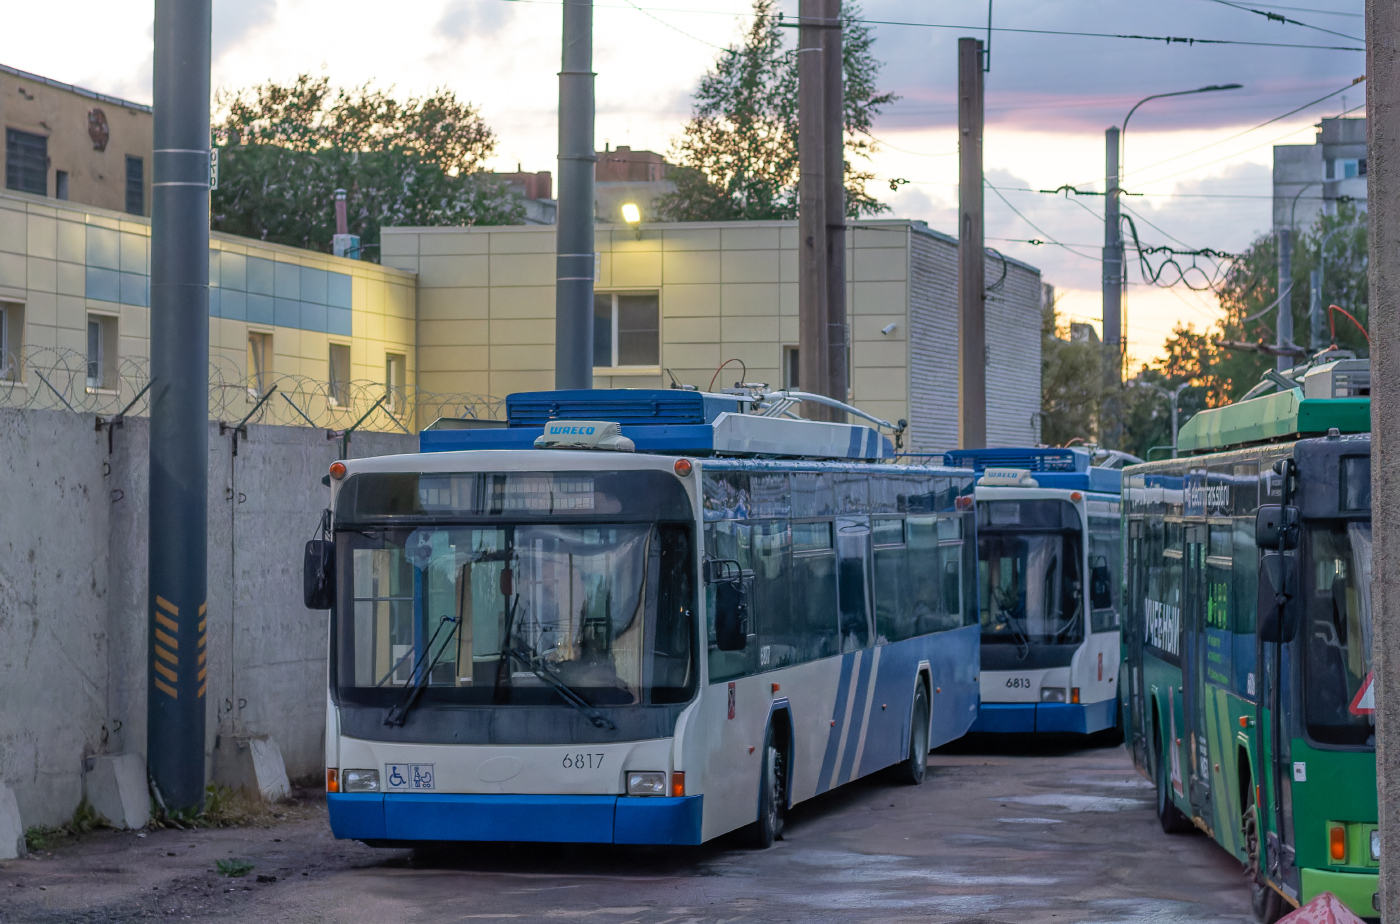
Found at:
[888, 328]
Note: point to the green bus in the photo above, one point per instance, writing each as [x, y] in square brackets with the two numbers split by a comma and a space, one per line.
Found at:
[1246, 694]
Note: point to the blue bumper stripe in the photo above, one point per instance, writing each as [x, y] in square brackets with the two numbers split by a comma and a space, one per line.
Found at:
[1013, 718]
[558, 819]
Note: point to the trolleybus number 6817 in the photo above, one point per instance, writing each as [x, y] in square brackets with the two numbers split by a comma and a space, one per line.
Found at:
[583, 761]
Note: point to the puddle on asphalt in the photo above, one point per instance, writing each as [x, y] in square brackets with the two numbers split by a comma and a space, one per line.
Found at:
[1030, 821]
[848, 867]
[1074, 802]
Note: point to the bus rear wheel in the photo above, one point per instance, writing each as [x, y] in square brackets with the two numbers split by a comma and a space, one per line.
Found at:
[1266, 904]
[772, 798]
[912, 770]
[1172, 819]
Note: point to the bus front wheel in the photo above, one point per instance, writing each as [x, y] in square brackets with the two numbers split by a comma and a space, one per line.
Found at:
[911, 771]
[772, 798]
[1266, 904]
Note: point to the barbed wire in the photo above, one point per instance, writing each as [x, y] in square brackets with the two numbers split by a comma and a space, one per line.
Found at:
[56, 378]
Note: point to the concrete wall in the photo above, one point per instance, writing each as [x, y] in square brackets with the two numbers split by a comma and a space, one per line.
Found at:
[73, 595]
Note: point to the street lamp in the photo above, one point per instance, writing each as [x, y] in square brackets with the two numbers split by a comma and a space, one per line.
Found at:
[1174, 396]
[633, 217]
[1122, 137]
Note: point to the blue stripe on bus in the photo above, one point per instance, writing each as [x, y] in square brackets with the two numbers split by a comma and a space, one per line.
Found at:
[853, 451]
[858, 717]
[838, 713]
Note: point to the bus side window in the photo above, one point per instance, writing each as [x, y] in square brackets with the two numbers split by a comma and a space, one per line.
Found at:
[1099, 581]
[852, 545]
[814, 590]
[728, 540]
[1105, 573]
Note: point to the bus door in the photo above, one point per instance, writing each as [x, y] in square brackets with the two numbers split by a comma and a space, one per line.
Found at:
[1194, 664]
[853, 582]
[1135, 579]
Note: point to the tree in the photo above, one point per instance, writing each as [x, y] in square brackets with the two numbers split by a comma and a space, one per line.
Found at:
[737, 156]
[288, 147]
[1071, 382]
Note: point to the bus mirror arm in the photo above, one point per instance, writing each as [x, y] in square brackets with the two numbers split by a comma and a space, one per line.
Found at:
[1278, 615]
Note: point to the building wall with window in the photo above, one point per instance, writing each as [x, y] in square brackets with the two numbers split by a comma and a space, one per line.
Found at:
[65, 142]
[76, 280]
[689, 297]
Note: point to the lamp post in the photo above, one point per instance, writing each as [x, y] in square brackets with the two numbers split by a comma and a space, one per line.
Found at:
[1113, 264]
[1174, 396]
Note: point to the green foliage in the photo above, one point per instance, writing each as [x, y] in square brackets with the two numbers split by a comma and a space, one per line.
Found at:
[1071, 383]
[83, 820]
[288, 147]
[233, 867]
[737, 155]
[1217, 361]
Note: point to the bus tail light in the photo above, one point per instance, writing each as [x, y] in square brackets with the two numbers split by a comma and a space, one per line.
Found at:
[1074, 694]
[332, 780]
[678, 783]
[1337, 843]
[963, 503]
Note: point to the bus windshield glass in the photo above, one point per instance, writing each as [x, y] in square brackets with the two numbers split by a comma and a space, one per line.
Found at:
[1339, 635]
[1028, 562]
[519, 613]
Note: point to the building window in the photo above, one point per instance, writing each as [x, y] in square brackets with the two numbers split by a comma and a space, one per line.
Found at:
[340, 374]
[101, 352]
[626, 329]
[395, 380]
[259, 363]
[791, 378]
[1345, 168]
[26, 162]
[11, 342]
[60, 184]
[135, 185]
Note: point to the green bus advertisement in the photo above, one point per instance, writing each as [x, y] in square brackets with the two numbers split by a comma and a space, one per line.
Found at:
[1246, 694]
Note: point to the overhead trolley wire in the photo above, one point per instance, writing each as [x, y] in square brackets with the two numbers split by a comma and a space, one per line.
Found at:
[1278, 17]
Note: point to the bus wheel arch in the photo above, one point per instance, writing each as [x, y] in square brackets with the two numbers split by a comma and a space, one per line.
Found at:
[911, 770]
[774, 787]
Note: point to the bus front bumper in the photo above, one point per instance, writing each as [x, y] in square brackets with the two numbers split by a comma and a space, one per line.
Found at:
[1356, 890]
[1012, 718]
[498, 817]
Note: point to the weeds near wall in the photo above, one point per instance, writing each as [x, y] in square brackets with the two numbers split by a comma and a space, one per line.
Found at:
[84, 820]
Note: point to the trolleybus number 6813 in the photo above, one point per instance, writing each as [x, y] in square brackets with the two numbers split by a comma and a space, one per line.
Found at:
[583, 761]
[1018, 683]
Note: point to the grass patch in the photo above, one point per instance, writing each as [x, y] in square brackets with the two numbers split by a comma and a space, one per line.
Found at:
[233, 867]
[84, 819]
[232, 808]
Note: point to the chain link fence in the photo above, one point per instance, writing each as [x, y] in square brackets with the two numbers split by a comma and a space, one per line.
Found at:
[54, 378]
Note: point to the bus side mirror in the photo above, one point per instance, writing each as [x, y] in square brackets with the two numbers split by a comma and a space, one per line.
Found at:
[1276, 527]
[318, 574]
[1100, 585]
[731, 617]
[1277, 618]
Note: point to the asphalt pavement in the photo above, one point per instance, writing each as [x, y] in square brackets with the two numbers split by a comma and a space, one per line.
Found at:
[1024, 831]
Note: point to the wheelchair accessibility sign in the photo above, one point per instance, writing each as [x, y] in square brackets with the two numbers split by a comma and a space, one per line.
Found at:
[408, 777]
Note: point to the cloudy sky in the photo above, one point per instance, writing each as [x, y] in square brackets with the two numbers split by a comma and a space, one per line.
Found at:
[1203, 174]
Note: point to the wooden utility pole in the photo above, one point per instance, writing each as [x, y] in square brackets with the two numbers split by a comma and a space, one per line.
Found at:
[972, 304]
[838, 333]
[813, 323]
[1383, 136]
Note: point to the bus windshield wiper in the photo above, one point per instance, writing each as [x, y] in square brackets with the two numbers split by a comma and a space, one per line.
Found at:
[398, 713]
[536, 667]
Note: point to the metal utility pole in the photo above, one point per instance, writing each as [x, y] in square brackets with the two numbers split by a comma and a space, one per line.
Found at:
[178, 511]
[1283, 330]
[573, 290]
[834, 122]
[813, 319]
[972, 296]
[1110, 419]
[1315, 341]
[1383, 137]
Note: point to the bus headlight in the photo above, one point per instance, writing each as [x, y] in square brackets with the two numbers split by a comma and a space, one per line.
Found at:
[359, 781]
[646, 783]
[1376, 846]
[1052, 694]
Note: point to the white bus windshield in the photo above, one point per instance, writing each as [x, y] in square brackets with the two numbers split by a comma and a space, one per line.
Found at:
[509, 613]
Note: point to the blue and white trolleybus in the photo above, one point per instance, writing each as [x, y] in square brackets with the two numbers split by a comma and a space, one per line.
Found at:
[640, 617]
[1049, 564]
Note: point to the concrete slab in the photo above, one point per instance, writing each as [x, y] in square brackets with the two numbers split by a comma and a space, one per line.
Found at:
[116, 789]
[252, 763]
[11, 828]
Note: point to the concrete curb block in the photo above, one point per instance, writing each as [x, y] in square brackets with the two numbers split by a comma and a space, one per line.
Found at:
[253, 763]
[11, 828]
[116, 789]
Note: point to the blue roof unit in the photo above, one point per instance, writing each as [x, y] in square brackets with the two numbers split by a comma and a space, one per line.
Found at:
[669, 421]
[1067, 469]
